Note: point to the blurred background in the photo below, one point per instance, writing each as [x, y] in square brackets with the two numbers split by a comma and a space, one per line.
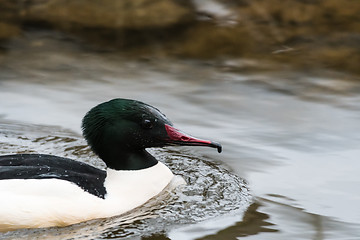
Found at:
[277, 82]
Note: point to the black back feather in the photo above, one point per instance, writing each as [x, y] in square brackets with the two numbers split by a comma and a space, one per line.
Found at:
[42, 166]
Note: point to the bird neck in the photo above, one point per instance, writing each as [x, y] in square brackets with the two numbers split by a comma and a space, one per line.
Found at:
[134, 159]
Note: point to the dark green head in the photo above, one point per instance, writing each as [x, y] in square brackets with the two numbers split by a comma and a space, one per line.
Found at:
[119, 130]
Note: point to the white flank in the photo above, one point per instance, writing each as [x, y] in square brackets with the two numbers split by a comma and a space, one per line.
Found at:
[34, 203]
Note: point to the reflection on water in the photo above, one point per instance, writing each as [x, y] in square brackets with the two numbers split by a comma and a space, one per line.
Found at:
[293, 136]
[253, 223]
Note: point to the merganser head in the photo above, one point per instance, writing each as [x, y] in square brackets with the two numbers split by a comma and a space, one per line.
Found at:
[119, 130]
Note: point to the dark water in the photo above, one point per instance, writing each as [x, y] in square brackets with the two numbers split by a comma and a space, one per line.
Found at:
[290, 165]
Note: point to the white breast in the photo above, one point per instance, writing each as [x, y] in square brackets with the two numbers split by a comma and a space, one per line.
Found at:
[129, 189]
[35, 203]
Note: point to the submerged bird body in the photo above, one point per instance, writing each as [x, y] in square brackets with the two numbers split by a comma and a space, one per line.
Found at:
[42, 190]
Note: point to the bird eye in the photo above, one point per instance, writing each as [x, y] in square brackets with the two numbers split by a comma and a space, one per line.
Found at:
[148, 124]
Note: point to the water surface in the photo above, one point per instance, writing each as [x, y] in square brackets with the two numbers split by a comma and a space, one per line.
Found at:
[289, 169]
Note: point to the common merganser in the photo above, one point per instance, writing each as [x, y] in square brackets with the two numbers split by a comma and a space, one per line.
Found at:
[39, 190]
